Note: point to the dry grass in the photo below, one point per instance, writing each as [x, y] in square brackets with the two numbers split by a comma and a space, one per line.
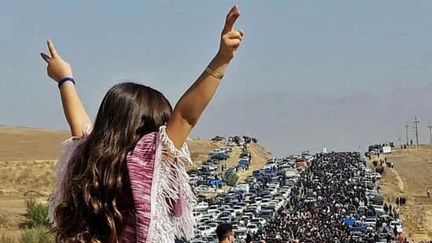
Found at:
[23, 176]
[199, 149]
[18, 144]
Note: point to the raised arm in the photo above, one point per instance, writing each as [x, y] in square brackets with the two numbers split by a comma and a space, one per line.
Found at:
[191, 105]
[74, 111]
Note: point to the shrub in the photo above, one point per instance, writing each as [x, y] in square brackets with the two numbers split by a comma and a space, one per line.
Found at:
[38, 234]
[230, 179]
[37, 213]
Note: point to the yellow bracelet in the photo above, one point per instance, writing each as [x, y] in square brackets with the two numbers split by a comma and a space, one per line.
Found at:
[213, 73]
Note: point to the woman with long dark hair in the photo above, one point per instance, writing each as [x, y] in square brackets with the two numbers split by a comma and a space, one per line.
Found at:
[123, 179]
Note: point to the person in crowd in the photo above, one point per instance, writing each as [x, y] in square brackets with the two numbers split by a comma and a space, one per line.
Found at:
[225, 233]
[123, 178]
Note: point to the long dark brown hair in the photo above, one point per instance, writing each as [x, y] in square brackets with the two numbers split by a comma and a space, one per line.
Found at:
[98, 198]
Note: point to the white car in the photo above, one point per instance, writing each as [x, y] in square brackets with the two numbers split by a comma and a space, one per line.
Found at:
[243, 187]
[258, 200]
[265, 202]
[370, 222]
[216, 151]
[273, 190]
[255, 208]
[237, 209]
[309, 199]
[205, 218]
[273, 204]
[225, 219]
[398, 225]
[197, 233]
[197, 215]
[224, 207]
[213, 207]
[280, 200]
[213, 212]
[203, 189]
[256, 222]
[205, 230]
[202, 206]
[252, 228]
[244, 220]
[377, 175]
[213, 226]
[274, 185]
[197, 240]
[285, 193]
[233, 213]
[250, 215]
[379, 209]
[262, 221]
[241, 236]
[286, 188]
[239, 229]
[231, 144]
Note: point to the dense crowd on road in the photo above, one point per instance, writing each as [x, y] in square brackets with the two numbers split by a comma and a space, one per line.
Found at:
[335, 200]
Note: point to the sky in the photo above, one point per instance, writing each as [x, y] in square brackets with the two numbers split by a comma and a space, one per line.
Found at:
[309, 74]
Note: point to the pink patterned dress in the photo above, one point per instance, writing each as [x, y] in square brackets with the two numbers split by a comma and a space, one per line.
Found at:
[161, 193]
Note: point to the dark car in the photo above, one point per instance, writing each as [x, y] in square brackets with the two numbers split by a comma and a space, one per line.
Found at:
[219, 156]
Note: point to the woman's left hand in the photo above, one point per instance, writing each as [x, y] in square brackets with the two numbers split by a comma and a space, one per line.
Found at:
[230, 39]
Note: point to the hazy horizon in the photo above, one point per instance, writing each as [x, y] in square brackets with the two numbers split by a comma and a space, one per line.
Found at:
[334, 74]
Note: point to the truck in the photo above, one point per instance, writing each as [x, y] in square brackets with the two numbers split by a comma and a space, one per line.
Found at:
[386, 149]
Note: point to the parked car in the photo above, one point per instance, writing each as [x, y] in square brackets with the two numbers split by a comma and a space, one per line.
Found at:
[252, 228]
[205, 230]
[202, 206]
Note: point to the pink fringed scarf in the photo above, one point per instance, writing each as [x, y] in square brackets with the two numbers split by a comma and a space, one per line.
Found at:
[162, 196]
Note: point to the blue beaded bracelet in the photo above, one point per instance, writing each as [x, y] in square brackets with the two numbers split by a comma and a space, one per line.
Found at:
[64, 80]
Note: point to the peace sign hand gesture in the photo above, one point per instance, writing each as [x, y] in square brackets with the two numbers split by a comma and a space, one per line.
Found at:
[230, 39]
[57, 67]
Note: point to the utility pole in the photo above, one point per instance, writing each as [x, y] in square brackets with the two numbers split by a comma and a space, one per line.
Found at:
[430, 137]
[430, 133]
[416, 122]
[406, 134]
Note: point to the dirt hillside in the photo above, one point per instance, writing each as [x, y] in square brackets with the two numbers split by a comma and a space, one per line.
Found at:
[411, 177]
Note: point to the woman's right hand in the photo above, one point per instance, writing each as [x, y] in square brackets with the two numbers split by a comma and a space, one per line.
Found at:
[57, 67]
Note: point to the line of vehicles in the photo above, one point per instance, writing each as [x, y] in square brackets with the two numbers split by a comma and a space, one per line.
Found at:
[373, 218]
[249, 205]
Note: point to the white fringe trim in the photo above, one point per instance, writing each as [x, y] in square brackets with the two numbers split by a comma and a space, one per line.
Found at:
[181, 154]
[61, 173]
[170, 188]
